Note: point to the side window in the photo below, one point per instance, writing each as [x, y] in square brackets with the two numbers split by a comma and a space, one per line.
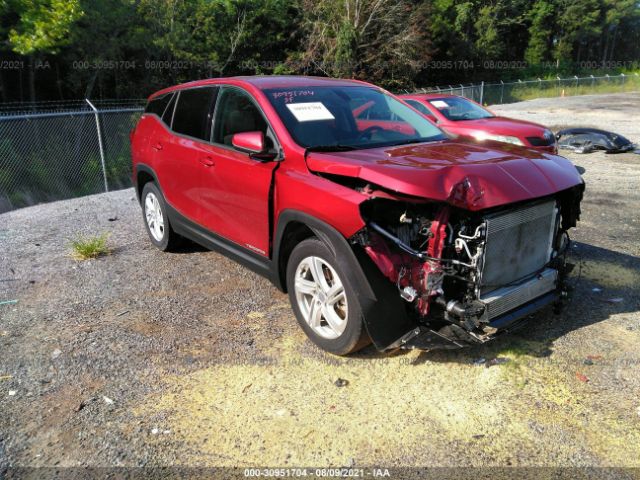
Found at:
[236, 113]
[168, 112]
[193, 112]
[422, 109]
[158, 105]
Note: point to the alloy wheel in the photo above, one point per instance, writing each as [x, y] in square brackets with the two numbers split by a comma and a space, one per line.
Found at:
[321, 297]
[153, 214]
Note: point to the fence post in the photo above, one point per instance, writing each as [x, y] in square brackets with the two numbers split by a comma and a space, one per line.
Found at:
[501, 92]
[99, 130]
[481, 92]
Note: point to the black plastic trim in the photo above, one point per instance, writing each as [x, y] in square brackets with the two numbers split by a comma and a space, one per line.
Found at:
[191, 230]
[143, 167]
[426, 339]
[329, 235]
[384, 312]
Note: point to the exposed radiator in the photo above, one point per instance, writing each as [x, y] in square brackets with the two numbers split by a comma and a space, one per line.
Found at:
[505, 299]
[518, 244]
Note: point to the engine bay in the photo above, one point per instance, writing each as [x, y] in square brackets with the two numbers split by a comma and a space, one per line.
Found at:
[459, 271]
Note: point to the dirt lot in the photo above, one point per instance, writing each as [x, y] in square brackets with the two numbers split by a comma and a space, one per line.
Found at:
[143, 358]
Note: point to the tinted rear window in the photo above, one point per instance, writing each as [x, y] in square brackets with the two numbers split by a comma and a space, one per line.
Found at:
[168, 113]
[193, 112]
[158, 104]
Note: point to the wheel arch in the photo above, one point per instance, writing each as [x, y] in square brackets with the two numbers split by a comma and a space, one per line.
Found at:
[143, 175]
[295, 226]
[384, 312]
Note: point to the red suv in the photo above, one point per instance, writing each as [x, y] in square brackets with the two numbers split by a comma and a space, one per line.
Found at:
[378, 226]
[465, 118]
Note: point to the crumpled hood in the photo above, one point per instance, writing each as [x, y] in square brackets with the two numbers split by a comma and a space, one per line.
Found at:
[465, 175]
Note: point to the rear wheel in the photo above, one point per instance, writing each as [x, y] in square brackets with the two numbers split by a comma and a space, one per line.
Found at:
[154, 211]
[325, 304]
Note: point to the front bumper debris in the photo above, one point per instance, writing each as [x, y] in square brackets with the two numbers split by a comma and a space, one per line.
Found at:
[452, 336]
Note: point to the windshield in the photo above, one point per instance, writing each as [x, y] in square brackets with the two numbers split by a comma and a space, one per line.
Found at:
[344, 118]
[456, 108]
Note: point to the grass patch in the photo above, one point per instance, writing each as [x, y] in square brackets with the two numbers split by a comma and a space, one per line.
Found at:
[85, 248]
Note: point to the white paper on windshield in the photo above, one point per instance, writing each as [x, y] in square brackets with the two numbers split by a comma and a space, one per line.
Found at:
[439, 104]
[310, 111]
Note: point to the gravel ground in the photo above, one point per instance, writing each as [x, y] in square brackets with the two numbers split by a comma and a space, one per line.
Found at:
[143, 358]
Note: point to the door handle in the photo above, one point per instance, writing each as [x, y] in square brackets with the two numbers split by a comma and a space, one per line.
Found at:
[207, 161]
[157, 146]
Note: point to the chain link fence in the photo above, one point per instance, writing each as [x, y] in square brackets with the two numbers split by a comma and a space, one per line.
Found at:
[510, 92]
[58, 150]
[53, 151]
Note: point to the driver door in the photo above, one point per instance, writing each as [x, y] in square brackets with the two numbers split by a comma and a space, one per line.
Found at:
[236, 188]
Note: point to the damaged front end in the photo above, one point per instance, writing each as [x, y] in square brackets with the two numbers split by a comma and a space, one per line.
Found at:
[465, 276]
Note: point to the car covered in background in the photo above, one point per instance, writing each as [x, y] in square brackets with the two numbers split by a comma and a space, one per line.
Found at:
[465, 118]
[380, 227]
[587, 140]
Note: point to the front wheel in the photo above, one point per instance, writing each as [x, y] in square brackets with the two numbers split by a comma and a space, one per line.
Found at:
[325, 304]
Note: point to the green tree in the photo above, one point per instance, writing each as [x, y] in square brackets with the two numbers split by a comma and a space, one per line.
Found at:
[541, 16]
[621, 17]
[221, 33]
[579, 22]
[43, 25]
[490, 42]
[109, 32]
[501, 29]
[36, 27]
[381, 40]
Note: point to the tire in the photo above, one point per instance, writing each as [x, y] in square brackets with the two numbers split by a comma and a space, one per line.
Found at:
[325, 304]
[156, 220]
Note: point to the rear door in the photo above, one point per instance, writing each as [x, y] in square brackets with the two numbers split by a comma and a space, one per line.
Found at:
[236, 189]
[184, 153]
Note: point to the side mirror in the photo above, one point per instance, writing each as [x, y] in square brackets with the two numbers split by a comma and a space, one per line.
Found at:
[254, 144]
[249, 142]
